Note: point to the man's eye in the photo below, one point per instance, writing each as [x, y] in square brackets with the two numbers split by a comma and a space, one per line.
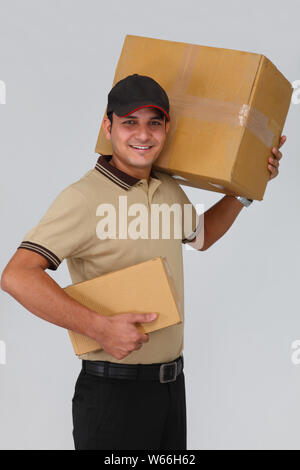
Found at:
[131, 121]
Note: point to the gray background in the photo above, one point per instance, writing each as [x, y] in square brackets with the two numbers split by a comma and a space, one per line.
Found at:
[57, 59]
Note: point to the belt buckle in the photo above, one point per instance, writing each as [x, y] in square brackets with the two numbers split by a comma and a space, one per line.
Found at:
[162, 369]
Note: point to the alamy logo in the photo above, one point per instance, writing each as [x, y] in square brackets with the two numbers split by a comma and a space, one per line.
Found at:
[2, 352]
[295, 358]
[2, 92]
[138, 226]
[296, 92]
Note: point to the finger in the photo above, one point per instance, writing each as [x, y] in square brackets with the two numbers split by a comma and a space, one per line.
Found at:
[274, 162]
[273, 171]
[145, 338]
[273, 167]
[141, 317]
[282, 140]
[276, 153]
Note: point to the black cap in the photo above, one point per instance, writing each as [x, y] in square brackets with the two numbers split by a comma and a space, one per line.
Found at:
[135, 92]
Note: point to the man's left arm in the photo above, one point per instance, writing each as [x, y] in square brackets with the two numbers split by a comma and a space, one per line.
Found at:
[220, 217]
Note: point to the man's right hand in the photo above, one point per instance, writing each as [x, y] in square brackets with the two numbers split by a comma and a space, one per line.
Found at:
[118, 334]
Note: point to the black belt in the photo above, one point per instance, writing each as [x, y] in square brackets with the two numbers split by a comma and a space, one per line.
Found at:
[163, 372]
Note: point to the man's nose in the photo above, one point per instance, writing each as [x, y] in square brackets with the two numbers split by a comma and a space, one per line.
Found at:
[143, 133]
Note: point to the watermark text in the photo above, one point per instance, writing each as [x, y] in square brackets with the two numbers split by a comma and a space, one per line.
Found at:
[2, 352]
[2, 92]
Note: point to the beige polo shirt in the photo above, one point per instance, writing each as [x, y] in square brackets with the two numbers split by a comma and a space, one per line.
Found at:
[73, 228]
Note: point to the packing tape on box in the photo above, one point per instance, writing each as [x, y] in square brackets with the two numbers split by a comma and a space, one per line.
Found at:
[205, 109]
[221, 111]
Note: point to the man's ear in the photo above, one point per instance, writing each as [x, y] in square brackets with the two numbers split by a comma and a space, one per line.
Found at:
[167, 126]
[107, 127]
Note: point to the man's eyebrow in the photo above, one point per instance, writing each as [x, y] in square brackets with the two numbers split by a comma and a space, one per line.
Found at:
[157, 117]
[131, 116]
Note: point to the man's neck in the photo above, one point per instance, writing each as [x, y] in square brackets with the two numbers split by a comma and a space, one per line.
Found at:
[140, 173]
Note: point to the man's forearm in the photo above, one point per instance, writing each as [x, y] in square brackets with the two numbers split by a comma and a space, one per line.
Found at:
[219, 218]
[42, 296]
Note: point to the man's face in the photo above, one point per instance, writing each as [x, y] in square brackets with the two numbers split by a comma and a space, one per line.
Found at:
[144, 128]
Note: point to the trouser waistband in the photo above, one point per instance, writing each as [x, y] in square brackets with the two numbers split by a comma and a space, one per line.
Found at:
[162, 372]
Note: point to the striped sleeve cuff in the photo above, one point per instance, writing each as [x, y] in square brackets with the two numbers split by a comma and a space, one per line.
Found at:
[195, 233]
[53, 260]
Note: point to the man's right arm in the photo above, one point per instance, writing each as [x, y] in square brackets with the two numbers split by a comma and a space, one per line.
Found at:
[25, 279]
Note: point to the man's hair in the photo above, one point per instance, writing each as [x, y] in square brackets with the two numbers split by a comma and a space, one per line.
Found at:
[159, 112]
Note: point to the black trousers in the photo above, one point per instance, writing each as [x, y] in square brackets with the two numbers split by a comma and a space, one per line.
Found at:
[124, 414]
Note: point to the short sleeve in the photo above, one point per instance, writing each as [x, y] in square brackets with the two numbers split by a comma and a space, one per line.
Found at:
[191, 221]
[63, 231]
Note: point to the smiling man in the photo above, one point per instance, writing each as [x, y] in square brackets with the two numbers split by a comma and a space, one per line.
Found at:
[131, 393]
[149, 127]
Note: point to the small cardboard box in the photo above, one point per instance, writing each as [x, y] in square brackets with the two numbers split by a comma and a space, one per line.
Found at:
[142, 288]
[227, 110]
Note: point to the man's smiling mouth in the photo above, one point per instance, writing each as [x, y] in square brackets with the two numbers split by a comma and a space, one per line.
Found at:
[141, 148]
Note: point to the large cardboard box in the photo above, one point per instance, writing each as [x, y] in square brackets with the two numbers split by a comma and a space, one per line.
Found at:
[227, 110]
[142, 288]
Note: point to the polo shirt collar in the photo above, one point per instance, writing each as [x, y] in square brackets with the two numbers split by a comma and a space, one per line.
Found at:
[116, 175]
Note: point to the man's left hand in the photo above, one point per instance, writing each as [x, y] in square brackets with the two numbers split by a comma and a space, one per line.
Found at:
[273, 162]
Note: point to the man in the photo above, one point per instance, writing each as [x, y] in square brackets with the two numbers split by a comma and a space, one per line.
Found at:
[131, 393]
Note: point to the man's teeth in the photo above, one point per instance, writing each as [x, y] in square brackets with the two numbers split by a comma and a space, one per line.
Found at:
[138, 147]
